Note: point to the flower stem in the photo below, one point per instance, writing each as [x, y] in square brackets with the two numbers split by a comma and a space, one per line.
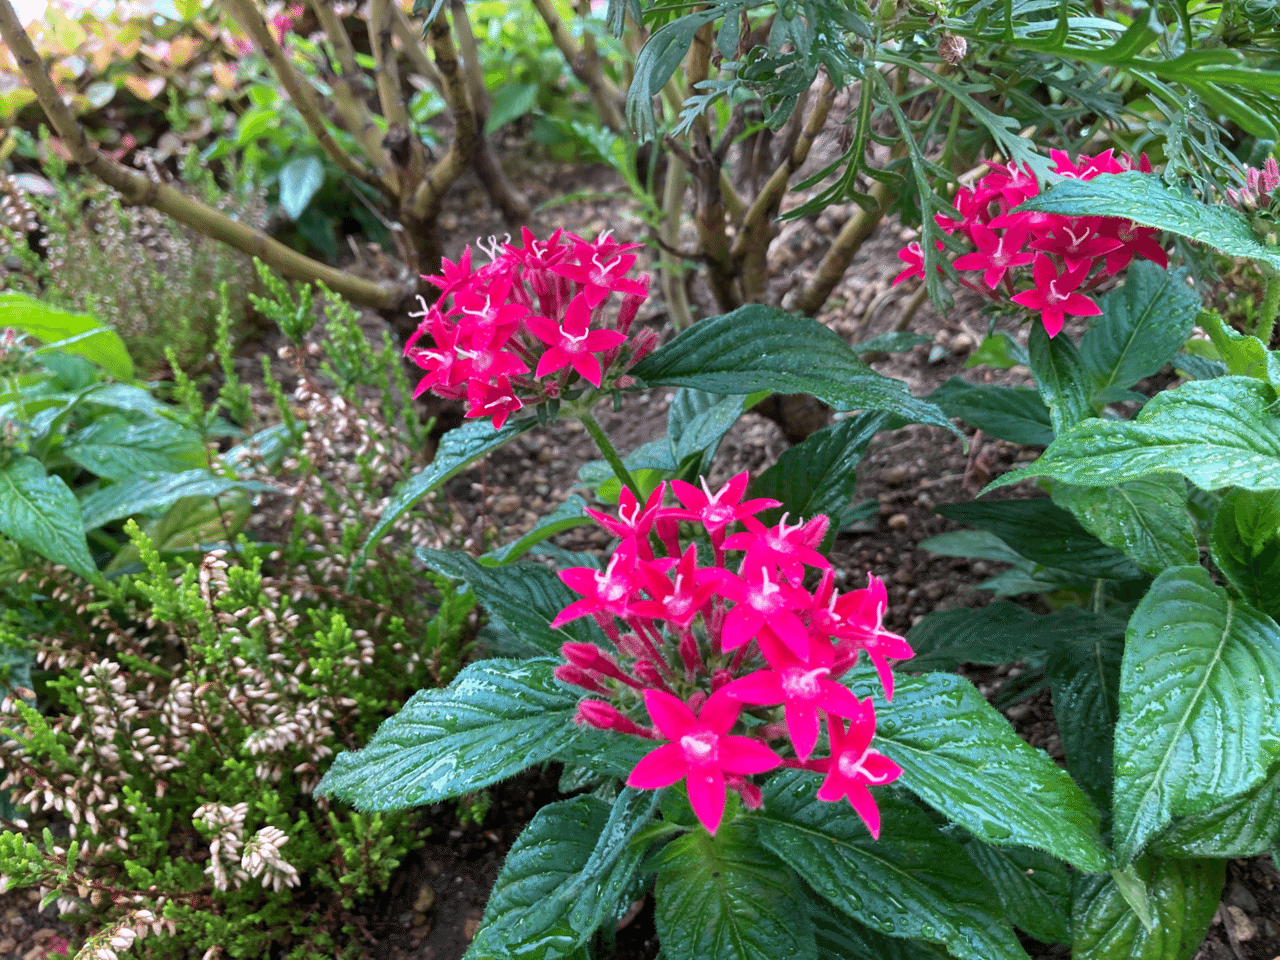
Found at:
[1270, 304]
[610, 454]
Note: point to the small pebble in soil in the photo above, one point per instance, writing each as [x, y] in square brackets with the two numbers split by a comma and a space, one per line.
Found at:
[899, 521]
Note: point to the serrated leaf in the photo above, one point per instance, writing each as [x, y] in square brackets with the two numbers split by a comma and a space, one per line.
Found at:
[1242, 355]
[1145, 519]
[1034, 888]
[1200, 676]
[963, 759]
[119, 450]
[817, 476]
[758, 347]
[496, 718]
[1144, 198]
[697, 421]
[999, 633]
[564, 517]
[1084, 680]
[1061, 378]
[912, 883]
[39, 512]
[150, 491]
[840, 939]
[1044, 532]
[458, 449]
[1182, 894]
[1243, 827]
[73, 332]
[1245, 545]
[1016, 414]
[1143, 324]
[728, 898]
[525, 597]
[1216, 433]
[561, 877]
[300, 180]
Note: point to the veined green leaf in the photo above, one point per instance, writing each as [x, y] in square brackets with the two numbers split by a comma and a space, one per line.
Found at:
[39, 512]
[1034, 888]
[1016, 414]
[73, 332]
[1146, 519]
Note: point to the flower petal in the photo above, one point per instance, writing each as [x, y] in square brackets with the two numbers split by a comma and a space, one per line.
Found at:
[706, 796]
[660, 768]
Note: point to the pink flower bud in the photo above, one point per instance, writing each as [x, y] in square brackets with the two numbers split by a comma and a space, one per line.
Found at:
[696, 700]
[752, 798]
[648, 673]
[576, 676]
[721, 678]
[598, 714]
[645, 342]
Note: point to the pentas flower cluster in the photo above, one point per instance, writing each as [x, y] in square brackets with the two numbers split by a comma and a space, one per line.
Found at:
[520, 330]
[732, 664]
[1068, 256]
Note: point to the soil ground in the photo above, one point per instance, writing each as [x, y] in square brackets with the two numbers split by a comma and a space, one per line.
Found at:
[438, 895]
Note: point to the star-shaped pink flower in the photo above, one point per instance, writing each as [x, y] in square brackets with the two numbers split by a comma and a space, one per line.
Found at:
[854, 766]
[997, 253]
[573, 342]
[1055, 296]
[701, 752]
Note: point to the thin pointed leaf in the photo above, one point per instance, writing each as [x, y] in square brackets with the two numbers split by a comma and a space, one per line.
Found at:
[1016, 414]
[1062, 378]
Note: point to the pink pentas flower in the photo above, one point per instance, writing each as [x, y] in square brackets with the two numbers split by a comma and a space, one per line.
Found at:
[606, 591]
[531, 326]
[1077, 241]
[784, 547]
[856, 620]
[854, 766]
[701, 752]
[1055, 295]
[764, 603]
[717, 510]
[997, 253]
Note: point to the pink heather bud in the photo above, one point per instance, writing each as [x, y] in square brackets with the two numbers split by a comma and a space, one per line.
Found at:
[721, 678]
[577, 677]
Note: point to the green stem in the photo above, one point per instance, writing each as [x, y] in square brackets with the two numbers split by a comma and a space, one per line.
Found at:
[1096, 603]
[1270, 304]
[610, 454]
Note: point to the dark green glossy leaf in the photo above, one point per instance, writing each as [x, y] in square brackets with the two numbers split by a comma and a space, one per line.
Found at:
[564, 517]
[1145, 519]
[1061, 377]
[697, 421]
[117, 449]
[897, 341]
[39, 512]
[839, 938]
[1034, 888]
[562, 876]
[1216, 433]
[757, 347]
[912, 883]
[817, 476]
[1016, 414]
[1044, 532]
[1182, 895]
[963, 759]
[728, 898]
[149, 491]
[1243, 827]
[1246, 546]
[1143, 324]
[999, 633]
[1242, 355]
[496, 718]
[999, 350]
[458, 449]
[525, 597]
[1197, 726]
[1145, 198]
[1084, 680]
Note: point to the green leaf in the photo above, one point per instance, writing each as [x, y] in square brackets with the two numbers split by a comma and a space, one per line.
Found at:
[525, 597]
[896, 341]
[697, 421]
[1143, 324]
[73, 332]
[999, 350]
[725, 897]
[562, 876]
[1044, 532]
[1216, 433]
[147, 492]
[974, 544]
[496, 718]
[1061, 377]
[839, 939]
[114, 448]
[1145, 199]
[300, 180]
[1016, 414]
[1243, 356]
[458, 449]
[818, 475]
[757, 347]
[963, 759]
[1246, 546]
[912, 883]
[511, 101]
[564, 517]
[39, 512]
[1183, 896]
[1034, 888]
[1243, 827]
[1197, 725]
[995, 634]
[1084, 679]
[1145, 519]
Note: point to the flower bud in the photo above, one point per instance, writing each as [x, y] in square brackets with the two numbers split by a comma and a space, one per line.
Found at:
[576, 676]
[648, 673]
[721, 678]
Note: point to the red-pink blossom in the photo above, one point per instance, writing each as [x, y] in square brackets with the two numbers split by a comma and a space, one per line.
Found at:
[1056, 295]
[854, 765]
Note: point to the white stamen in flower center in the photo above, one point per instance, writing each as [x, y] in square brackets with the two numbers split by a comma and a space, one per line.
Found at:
[850, 765]
[701, 747]
[798, 684]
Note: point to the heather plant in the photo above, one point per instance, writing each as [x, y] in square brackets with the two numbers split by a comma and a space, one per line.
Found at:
[170, 721]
